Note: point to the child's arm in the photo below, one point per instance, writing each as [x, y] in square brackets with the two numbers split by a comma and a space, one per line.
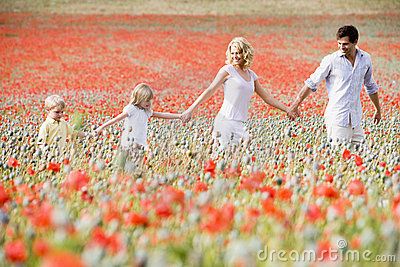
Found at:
[42, 135]
[120, 117]
[166, 115]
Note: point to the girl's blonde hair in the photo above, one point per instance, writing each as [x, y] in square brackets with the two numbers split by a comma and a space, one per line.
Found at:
[142, 92]
[244, 47]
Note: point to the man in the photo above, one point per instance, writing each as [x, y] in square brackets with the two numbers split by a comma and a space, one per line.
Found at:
[345, 71]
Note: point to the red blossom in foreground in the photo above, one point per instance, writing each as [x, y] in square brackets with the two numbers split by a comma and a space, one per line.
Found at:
[15, 251]
[209, 166]
[346, 154]
[40, 247]
[396, 206]
[76, 180]
[136, 219]
[163, 210]
[218, 220]
[30, 171]
[358, 160]
[200, 187]
[326, 191]
[284, 194]
[12, 162]
[62, 259]
[253, 182]
[55, 167]
[356, 187]
[271, 209]
[113, 242]
[314, 213]
[323, 250]
[4, 197]
[41, 215]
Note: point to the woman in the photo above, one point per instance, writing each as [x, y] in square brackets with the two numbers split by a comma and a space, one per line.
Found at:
[239, 84]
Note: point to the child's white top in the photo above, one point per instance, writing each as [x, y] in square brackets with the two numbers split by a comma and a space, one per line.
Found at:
[237, 94]
[135, 126]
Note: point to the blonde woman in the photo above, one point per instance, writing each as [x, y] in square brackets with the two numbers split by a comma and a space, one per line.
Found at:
[239, 83]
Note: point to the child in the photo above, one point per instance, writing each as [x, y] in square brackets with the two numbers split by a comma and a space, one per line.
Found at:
[135, 116]
[55, 130]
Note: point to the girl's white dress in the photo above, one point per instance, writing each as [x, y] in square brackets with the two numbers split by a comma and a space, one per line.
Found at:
[135, 127]
[229, 124]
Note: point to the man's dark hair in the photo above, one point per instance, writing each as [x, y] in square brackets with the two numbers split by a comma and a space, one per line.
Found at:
[348, 30]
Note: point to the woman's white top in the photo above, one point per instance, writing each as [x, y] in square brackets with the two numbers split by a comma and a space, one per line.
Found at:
[237, 94]
[135, 126]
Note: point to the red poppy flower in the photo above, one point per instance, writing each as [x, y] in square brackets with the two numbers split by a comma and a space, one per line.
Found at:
[270, 190]
[30, 171]
[55, 167]
[62, 259]
[323, 250]
[358, 160]
[200, 187]
[326, 191]
[76, 180]
[4, 197]
[172, 195]
[12, 162]
[346, 154]
[41, 215]
[329, 177]
[284, 194]
[218, 220]
[209, 166]
[356, 187]
[15, 251]
[271, 209]
[163, 210]
[41, 247]
[314, 213]
[136, 219]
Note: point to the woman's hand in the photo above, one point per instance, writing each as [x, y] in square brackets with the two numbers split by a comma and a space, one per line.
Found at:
[186, 116]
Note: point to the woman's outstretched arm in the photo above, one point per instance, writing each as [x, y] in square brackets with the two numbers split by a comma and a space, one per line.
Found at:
[217, 82]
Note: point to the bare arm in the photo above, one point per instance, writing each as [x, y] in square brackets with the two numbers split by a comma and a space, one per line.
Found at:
[375, 100]
[120, 117]
[268, 98]
[166, 115]
[217, 82]
[304, 92]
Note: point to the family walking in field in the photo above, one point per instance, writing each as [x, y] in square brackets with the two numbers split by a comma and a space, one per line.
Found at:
[345, 72]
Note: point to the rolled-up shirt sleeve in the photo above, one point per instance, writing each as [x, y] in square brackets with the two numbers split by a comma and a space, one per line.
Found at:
[370, 85]
[320, 74]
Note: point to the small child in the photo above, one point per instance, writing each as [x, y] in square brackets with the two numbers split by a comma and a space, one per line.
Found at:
[135, 116]
[55, 130]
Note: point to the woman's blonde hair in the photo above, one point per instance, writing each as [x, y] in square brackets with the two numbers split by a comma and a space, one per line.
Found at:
[244, 47]
[142, 92]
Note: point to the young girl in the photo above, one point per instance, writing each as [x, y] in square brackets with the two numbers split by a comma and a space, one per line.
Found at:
[135, 116]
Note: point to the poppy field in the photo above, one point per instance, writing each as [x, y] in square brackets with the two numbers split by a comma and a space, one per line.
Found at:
[286, 191]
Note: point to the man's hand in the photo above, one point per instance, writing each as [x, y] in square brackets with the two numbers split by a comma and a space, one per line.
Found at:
[377, 117]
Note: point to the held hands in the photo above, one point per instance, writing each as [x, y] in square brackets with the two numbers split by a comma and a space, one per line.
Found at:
[96, 132]
[293, 112]
[186, 116]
